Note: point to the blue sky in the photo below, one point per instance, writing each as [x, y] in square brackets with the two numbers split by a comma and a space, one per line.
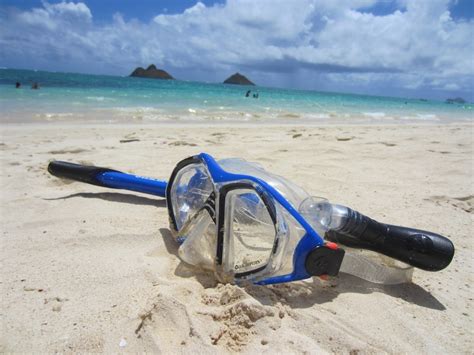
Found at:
[103, 10]
[414, 48]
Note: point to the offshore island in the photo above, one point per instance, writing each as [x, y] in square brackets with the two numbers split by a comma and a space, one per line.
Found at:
[152, 72]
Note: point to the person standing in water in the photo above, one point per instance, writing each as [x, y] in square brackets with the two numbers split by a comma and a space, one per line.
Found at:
[18, 85]
[248, 93]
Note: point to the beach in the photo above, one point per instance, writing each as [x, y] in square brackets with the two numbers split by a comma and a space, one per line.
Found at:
[89, 269]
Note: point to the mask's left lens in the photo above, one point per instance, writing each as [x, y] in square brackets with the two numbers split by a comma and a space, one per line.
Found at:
[189, 191]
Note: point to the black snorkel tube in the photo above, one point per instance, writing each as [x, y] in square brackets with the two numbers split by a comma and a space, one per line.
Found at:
[418, 248]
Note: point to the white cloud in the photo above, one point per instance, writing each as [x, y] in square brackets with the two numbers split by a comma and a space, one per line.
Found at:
[52, 14]
[419, 46]
[451, 86]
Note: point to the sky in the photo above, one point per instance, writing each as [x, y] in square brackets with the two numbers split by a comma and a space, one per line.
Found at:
[410, 48]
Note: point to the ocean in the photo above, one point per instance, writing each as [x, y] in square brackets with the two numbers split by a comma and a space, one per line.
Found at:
[67, 97]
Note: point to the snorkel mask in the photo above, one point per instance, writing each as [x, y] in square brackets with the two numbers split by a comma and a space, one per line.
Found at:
[247, 225]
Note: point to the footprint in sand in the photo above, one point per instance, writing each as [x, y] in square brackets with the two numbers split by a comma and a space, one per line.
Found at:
[68, 151]
[218, 136]
[211, 142]
[182, 143]
[56, 303]
[465, 203]
[441, 152]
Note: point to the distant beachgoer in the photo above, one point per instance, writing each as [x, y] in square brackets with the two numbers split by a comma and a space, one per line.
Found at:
[18, 85]
[35, 86]
[255, 96]
[248, 93]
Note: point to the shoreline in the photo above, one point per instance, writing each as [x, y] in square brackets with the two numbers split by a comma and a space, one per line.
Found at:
[222, 123]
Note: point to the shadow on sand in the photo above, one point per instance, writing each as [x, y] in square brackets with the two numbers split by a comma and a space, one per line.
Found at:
[117, 197]
[305, 294]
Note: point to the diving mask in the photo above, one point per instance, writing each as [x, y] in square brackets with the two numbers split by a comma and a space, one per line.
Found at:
[244, 223]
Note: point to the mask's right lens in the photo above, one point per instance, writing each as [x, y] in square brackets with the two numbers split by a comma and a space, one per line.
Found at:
[190, 190]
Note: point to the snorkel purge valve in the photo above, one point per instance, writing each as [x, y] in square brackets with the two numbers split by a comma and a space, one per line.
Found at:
[234, 218]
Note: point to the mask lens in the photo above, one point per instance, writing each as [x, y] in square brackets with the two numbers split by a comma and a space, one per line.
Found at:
[190, 190]
[250, 232]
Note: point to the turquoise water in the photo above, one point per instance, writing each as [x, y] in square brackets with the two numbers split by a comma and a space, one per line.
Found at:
[66, 96]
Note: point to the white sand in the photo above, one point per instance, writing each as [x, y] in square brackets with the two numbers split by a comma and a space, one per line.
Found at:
[84, 267]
